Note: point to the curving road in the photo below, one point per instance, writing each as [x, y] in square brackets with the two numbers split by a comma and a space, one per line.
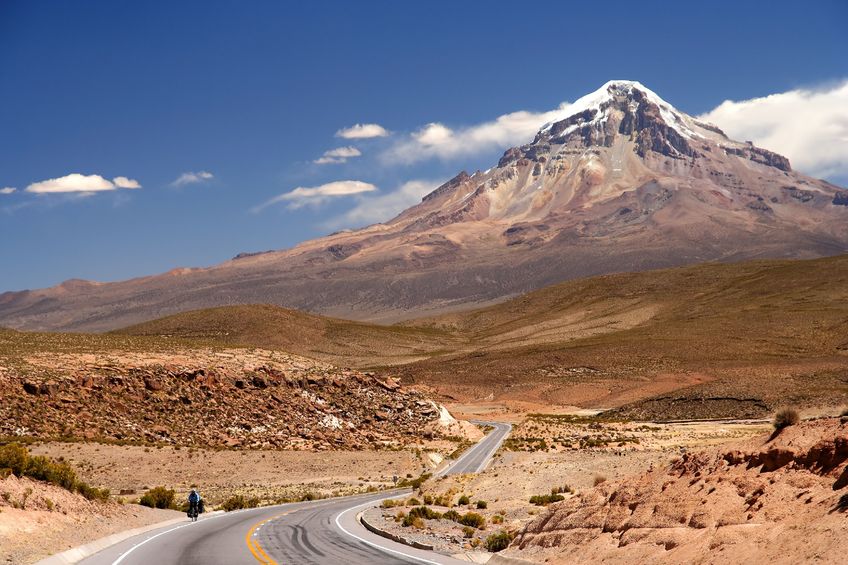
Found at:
[324, 532]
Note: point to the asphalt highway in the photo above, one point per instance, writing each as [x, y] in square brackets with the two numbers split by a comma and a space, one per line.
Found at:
[324, 532]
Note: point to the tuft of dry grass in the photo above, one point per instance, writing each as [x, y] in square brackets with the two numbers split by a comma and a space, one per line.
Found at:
[785, 417]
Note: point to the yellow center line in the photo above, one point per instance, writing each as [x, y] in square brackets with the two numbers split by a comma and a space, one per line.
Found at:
[253, 545]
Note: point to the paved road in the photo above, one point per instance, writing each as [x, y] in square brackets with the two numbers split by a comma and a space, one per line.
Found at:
[323, 532]
[477, 458]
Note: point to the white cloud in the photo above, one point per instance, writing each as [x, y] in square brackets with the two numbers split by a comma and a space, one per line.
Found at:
[8, 190]
[809, 126]
[76, 182]
[124, 182]
[192, 178]
[338, 155]
[314, 196]
[382, 207]
[363, 131]
[438, 140]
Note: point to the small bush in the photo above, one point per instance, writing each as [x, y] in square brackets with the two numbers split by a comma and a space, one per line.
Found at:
[428, 499]
[14, 456]
[785, 417]
[400, 516]
[482, 504]
[425, 512]
[413, 502]
[474, 520]
[389, 503]
[414, 483]
[158, 497]
[445, 499]
[239, 502]
[414, 521]
[545, 499]
[93, 493]
[498, 542]
[464, 500]
[468, 532]
[451, 515]
[497, 519]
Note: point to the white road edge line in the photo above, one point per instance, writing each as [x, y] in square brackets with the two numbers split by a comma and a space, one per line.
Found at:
[139, 544]
[494, 450]
[375, 545]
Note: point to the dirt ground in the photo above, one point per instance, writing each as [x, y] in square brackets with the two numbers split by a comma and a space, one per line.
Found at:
[566, 452]
[776, 498]
[38, 520]
[268, 475]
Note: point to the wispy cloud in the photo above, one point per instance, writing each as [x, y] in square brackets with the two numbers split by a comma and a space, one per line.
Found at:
[193, 178]
[809, 126]
[78, 183]
[338, 155]
[8, 190]
[363, 131]
[436, 140]
[316, 195]
[382, 207]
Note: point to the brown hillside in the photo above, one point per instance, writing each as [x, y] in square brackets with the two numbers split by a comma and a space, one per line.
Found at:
[740, 338]
[337, 341]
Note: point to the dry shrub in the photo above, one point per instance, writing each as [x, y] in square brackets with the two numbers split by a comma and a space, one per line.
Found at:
[785, 417]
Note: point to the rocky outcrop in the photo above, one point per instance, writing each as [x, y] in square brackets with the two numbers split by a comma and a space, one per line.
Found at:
[233, 398]
[448, 186]
[791, 486]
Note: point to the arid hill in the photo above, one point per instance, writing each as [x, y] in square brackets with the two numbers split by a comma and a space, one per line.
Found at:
[779, 499]
[623, 181]
[137, 390]
[342, 342]
[702, 341]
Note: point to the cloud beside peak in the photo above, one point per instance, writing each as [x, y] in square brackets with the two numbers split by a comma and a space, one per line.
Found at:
[314, 196]
[338, 155]
[363, 131]
[76, 182]
[8, 190]
[381, 207]
[809, 126]
[193, 178]
[436, 140]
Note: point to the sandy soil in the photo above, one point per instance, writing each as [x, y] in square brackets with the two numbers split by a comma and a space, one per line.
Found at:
[774, 498]
[269, 475]
[38, 520]
[577, 452]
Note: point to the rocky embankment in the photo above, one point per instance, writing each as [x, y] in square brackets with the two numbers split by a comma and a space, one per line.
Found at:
[230, 398]
[779, 499]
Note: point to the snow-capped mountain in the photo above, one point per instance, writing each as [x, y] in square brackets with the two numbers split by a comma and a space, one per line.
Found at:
[622, 181]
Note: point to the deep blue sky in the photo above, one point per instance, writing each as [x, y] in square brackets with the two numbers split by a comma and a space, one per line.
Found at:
[253, 92]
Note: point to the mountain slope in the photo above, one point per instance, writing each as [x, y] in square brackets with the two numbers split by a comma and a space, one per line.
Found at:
[623, 182]
[342, 342]
[706, 340]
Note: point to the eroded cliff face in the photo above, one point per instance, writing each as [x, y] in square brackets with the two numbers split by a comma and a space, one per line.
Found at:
[772, 499]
